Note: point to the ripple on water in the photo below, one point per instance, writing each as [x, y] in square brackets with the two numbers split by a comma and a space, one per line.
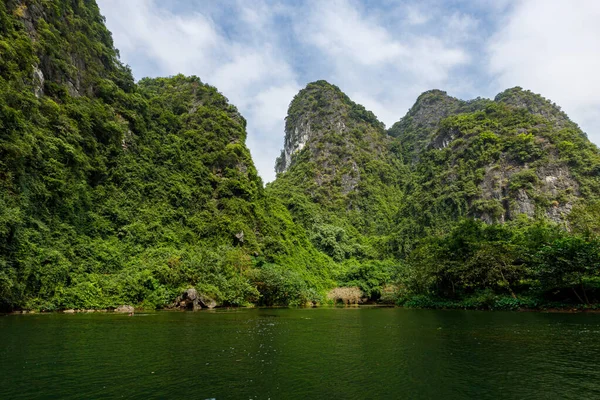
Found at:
[301, 353]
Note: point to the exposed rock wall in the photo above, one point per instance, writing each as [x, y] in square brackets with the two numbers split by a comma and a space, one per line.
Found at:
[337, 134]
[512, 149]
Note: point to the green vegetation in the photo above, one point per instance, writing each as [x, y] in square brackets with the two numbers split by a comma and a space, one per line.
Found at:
[115, 192]
[518, 264]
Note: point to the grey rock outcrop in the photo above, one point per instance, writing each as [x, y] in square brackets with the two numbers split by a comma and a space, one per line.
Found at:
[535, 180]
[335, 135]
[552, 182]
[125, 308]
[296, 137]
[190, 299]
[38, 82]
[207, 301]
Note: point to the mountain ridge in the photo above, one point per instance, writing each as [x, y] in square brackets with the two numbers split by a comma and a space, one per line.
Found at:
[116, 192]
[514, 163]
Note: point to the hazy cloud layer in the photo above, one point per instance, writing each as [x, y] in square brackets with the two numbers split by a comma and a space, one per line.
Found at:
[552, 47]
[382, 54]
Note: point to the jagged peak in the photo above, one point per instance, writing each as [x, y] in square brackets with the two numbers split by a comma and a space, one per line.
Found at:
[321, 96]
[533, 102]
[434, 105]
[185, 94]
[432, 96]
[316, 97]
[321, 108]
[429, 109]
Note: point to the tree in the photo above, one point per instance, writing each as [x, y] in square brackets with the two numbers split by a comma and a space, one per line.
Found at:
[567, 262]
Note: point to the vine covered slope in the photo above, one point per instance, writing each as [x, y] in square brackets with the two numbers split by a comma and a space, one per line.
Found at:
[120, 192]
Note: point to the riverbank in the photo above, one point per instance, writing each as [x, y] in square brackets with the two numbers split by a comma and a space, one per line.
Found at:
[430, 304]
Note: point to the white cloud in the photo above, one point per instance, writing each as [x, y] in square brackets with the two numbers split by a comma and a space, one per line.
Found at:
[552, 47]
[383, 55]
[176, 43]
[343, 34]
[383, 67]
[268, 110]
[415, 16]
[257, 61]
[272, 103]
[249, 69]
[338, 30]
[461, 27]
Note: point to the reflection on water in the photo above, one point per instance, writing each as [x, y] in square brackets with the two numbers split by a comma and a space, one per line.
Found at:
[354, 353]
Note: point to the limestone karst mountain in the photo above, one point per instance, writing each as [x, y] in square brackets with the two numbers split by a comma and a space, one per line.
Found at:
[114, 192]
[517, 155]
[497, 160]
[338, 169]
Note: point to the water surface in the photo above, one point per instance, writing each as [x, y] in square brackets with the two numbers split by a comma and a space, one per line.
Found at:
[354, 353]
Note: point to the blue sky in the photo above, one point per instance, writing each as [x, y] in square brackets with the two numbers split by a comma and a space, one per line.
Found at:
[383, 54]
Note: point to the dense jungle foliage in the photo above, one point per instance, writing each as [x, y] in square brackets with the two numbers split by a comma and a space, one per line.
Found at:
[473, 204]
[115, 192]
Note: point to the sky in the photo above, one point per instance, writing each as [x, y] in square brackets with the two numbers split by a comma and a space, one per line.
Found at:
[381, 53]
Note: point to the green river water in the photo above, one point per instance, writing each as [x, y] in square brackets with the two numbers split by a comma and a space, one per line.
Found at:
[323, 353]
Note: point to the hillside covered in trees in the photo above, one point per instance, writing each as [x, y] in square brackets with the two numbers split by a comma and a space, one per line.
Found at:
[121, 192]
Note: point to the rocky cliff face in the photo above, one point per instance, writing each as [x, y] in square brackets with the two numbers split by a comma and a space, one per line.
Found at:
[334, 133]
[504, 157]
[295, 140]
[338, 173]
[551, 192]
[496, 160]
